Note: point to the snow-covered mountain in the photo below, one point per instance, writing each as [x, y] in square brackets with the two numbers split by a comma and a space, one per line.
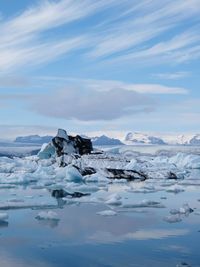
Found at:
[195, 140]
[132, 138]
[33, 139]
[141, 138]
[105, 140]
[188, 139]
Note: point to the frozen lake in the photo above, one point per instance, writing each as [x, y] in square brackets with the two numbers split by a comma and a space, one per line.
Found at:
[149, 227]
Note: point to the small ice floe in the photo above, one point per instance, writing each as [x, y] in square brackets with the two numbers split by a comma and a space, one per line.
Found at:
[163, 197]
[114, 200]
[3, 217]
[172, 218]
[183, 264]
[144, 204]
[185, 209]
[47, 215]
[107, 213]
[174, 211]
[175, 190]
[176, 214]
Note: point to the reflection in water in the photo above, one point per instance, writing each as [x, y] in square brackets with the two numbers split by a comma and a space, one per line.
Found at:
[136, 237]
[3, 224]
[48, 222]
[106, 237]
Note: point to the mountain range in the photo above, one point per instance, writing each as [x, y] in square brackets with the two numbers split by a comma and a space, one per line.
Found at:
[141, 138]
[102, 140]
[131, 138]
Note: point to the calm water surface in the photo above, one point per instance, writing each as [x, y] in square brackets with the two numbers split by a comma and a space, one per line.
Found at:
[135, 237]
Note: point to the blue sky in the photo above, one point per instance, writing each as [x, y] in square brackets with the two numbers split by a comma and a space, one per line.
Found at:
[99, 66]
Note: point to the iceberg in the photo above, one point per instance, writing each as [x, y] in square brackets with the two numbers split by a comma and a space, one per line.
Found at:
[47, 215]
[107, 213]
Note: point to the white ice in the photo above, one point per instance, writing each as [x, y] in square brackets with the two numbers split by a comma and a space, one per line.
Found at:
[107, 213]
[47, 215]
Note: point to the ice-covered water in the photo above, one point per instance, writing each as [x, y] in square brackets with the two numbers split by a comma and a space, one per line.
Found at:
[140, 223]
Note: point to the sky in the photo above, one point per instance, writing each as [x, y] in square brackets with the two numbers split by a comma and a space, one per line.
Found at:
[99, 66]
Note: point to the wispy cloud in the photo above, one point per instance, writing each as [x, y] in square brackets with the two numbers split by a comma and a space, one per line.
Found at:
[172, 76]
[138, 33]
[179, 48]
[22, 41]
[128, 31]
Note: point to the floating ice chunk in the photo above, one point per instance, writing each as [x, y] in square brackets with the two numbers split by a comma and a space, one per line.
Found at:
[183, 264]
[175, 190]
[172, 219]
[114, 200]
[73, 175]
[144, 204]
[185, 209]
[174, 211]
[3, 216]
[107, 213]
[47, 215]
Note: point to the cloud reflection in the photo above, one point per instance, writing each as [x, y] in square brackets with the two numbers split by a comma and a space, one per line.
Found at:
[108, 237]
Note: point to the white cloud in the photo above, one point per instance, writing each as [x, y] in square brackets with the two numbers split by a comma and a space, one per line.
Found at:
[99, 100]
[172, 76]
[91, 105]
[106, 85]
